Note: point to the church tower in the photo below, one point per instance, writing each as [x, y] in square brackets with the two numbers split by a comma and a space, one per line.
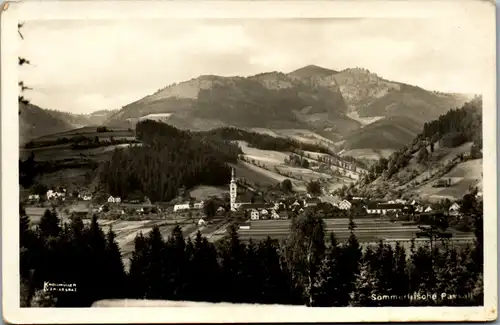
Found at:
[233, 191]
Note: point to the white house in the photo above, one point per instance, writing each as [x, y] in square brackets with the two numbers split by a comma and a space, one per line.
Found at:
[181, 207]
[254, 214]
[344, 205]
[245, 226]
[383, 208]
[428, 209]
[198, 205]
[114, 199]
[274, 214]
[87, 197]
[455, 207]
[54, 194]
[201, 222]
[219, 209]
[34, 197]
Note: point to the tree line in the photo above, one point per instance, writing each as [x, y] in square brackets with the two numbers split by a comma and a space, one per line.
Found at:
[309, 267]
[265, 141]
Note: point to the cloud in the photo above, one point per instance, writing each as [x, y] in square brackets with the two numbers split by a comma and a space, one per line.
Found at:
[87, 65]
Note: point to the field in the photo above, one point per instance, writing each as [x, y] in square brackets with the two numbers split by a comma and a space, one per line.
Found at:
[370, 154]
[271, 165]
[463, 176]
[305, 136]
[89, 131]
[265, 156]
[64, 152]
[364, 120]
[368, 230]
[204, 192]
[126, 231]
[254, 174]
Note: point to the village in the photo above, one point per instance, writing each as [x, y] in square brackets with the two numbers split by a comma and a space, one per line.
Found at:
[242, 206]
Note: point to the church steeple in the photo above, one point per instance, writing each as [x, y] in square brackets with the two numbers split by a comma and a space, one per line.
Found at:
[233, 190]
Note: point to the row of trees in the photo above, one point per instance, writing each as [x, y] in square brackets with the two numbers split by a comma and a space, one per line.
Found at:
[304, 268]
[73, 253]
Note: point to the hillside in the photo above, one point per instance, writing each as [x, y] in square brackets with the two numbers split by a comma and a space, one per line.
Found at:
[448, 149]
[35, 122]
[371, 95]
[269, 100]
[326, 102]
[392, 132]
[81, 120]
[72, 157]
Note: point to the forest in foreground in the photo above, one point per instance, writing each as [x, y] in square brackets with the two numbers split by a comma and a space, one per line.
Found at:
[303, 269]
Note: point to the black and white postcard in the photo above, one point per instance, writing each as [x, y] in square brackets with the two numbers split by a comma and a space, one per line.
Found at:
[248, 161]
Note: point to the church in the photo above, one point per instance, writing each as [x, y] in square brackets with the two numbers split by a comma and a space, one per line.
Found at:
[233, 193]
[245, 202]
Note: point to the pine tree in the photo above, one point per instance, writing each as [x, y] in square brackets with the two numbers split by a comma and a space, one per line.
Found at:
[351, 257]
[400, 283]
[205, 271]
[383, 266]
[136, 278]
[177, 266]
[93, 283]
[49, 225]
[157, 285]
[421, 272]
[114, 271]
[28, 245]
[233, 256]
[252, 282]
[275, 288]
[328, 284]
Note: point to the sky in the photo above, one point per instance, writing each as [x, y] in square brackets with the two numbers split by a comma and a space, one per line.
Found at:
[81, 66]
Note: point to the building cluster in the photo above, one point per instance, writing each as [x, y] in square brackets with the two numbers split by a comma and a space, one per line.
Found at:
[188, 206]
[398, 206]
[56, 194]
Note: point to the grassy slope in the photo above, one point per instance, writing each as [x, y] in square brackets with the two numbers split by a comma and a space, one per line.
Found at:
[387, 133]
[463, 175]
[412, 102]
[270, 162]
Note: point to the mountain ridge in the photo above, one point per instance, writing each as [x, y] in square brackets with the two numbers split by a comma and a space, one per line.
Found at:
[335, 104]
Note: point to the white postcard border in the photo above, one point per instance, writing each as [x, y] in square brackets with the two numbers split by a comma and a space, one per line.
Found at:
[482, 11]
